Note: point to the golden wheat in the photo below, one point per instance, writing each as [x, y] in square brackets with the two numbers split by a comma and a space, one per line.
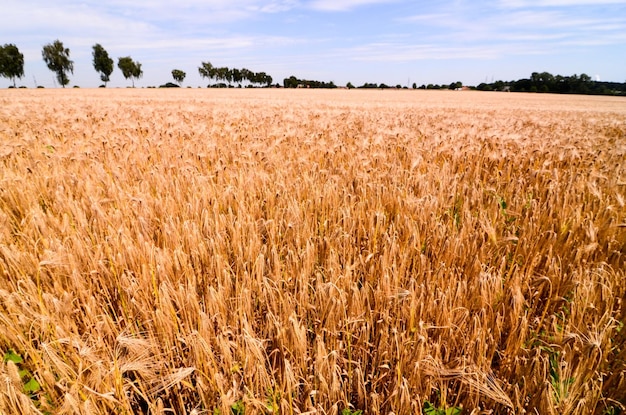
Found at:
[290, 252]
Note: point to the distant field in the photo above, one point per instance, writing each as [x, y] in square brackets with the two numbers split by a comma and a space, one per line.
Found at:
[296, 251]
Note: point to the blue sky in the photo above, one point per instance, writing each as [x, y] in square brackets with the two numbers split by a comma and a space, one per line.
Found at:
[390, 41]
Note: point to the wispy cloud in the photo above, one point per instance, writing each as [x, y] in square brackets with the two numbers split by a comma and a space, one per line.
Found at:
[273, 6]
[343, 5]
[556, 3]
[544, 30]
[431, 18]
[398, 52]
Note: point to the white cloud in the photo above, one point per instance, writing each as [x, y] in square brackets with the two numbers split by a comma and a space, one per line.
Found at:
[397, 52]
[343, 5]
[274, 6]
[543, 29]
[556, 3]
[166, 5]
[122, 15]
[427, 17]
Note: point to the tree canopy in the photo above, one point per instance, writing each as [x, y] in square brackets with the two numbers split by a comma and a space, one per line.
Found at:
[130, 69]
[57, 57]
[293, 82]
[11, 62]
[224, 74]
[179, 76]
[207, 70]
[102, 63]
[547, 83]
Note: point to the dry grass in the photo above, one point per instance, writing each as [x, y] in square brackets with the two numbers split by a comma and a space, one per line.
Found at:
[308, 252]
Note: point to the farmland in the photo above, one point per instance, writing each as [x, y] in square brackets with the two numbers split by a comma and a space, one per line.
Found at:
[285, 252]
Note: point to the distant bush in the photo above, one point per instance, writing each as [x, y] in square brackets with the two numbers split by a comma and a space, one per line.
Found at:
[169, 85]
[369, 85]
[293, 82]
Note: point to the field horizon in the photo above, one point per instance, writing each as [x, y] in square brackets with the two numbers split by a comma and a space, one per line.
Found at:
[271, 251]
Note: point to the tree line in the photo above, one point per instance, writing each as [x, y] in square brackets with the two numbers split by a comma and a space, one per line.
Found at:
[545, 82]
[57, 58]
[293, 82]
[233, 75]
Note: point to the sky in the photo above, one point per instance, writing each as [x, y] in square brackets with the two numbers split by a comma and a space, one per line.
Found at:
[358, 41]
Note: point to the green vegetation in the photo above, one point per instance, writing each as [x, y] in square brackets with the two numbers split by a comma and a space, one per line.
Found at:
[130, 69]
[238, 76]
[30, 383]
[102, 63]
[168, 85]
[547, 83]
[430, 409]
[57, 57]
[348, 411]
[11, 62]
[22, 375]
[179, 76]
[293, 82]
[238, 408]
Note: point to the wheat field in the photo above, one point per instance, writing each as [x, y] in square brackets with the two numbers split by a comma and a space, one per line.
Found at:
[311, 252]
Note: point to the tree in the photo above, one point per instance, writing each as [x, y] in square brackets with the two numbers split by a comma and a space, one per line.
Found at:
[129, 68]
[237, 76]
[291, 82]
[207, 70]
[57, 57]
[179, 76]
[11, 62]
[102, 63]
[223, 74]
[246, 75]
[262, 78]
[228, 75]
